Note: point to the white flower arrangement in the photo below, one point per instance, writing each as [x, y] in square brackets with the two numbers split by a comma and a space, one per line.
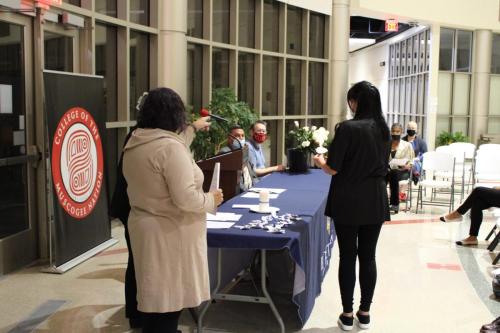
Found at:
[308, 139]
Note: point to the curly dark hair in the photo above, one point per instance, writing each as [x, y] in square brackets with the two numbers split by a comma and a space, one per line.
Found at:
[162, 108]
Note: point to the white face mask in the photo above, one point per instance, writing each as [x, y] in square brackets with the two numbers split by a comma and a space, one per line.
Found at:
[236, 145]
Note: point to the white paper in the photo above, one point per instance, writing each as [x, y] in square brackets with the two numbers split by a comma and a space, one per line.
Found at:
[220, 216]
[270, 190]
[21, 123]
[5, 98]
[397, 162]
[244, 206]
[214, 185]
[18, 138]
[256, 195]
[219, 225]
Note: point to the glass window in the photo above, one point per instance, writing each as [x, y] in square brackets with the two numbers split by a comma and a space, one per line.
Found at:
[442, 125]
[139, 68]
[271, 144]
[73, 2]
[495, 54]
[271, 25]
[220, 20]
[494, 125]
[247, 23]
[105, 65]
[270, 86]
[461, 87]
[106, 7]
[317, 35]
[494, 97]
[195, 18]
[446, 46]
[460, 124]
[315, 88]
[421, 60]
[13, 179]
[293, 82]
[444, 93]
[294, 30]
[464, 50]
[220, 70]
[139, 11]
[195, 76]
[112, 157]
[403, 58]
[246, 77]
[58, 52]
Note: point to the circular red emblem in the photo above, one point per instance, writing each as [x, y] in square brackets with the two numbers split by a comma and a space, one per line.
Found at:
[77, 162]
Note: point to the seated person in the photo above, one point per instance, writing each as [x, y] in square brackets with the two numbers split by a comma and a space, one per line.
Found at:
[479, 199]
[400, 162]
[419, 147]
[232, 144]
[258, 133]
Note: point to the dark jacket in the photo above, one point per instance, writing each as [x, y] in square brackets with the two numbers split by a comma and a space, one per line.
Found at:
[358, 194]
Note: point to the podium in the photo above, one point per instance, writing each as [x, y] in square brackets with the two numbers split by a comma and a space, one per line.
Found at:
[231, 165]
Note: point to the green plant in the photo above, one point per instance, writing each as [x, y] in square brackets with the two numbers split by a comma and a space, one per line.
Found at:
[225, 104]
[307, 139]
[445, 138]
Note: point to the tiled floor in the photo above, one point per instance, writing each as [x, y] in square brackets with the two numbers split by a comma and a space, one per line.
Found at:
[425, 284]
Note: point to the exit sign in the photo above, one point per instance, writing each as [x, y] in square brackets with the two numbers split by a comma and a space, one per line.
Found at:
[391, 25]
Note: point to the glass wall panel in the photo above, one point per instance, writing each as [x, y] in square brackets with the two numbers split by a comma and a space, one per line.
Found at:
[461, 93]
[139, 11]
[246, 77]
[315, 88]
[247, 23]
[464, 51]
[316, 35]
[293, 82]
[139, 68]
[271, 25]
[105, 65]
[106, 7]
[294, 30]
[495, 54]
[460, 124]
[220, 70]
[446, 47]
[220, 21]
[444, 93]
[442, 125]
[494, 126]
[270, 86]
[494, 95]
[194, 76]
[195, 18]
[271, 144]
[58, 52]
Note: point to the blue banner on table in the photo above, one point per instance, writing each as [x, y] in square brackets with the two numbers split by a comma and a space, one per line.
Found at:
[74, 107]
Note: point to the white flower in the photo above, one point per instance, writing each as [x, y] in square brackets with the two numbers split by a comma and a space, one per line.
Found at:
[305, 144]
[313, 128]
[306, 128]
[320, 136]
[296, 123]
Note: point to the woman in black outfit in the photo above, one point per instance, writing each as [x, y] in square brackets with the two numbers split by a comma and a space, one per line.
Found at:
[357, 201]
[479, 199]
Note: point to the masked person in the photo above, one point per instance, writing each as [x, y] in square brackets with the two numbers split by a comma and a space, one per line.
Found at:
[235, 139]
[419, 147]
[400, 162]
[258, 132]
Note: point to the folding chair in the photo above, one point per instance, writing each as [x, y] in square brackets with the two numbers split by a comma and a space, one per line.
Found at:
[435, 162]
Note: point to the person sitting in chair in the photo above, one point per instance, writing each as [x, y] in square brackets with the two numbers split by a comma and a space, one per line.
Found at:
[235, 139]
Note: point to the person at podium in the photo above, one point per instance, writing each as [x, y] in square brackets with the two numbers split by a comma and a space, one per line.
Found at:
[235, 139]
[167, 220]
[258, 133]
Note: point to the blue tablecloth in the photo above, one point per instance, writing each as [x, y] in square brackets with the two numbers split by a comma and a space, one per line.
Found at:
[309, 241]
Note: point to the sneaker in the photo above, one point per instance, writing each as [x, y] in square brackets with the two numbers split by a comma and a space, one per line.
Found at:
[346, 323]
[363, 321]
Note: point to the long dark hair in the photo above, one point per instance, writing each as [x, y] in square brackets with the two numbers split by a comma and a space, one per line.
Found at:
[368, 105]
[162, 108]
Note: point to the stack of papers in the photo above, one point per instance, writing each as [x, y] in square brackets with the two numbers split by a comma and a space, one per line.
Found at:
[270, 190]
[256, 195]
[222, 220]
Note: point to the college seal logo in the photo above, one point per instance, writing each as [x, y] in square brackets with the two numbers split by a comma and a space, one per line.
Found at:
[77, 162]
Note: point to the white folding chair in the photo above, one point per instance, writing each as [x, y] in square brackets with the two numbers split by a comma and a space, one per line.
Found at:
[432, 163]
[469, 149]
[460, 167]
[487, 169]
[491, 147]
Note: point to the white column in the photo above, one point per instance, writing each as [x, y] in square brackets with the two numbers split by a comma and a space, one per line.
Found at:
[481, 83]
[432, 92]
[339, 62]
[172, 46]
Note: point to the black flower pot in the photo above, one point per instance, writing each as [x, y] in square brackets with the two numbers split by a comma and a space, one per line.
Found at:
[297, 160]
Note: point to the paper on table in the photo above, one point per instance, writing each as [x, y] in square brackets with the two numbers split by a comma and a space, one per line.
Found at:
[256, 195]
[214, 185]
[219, 225]
[270, 190]
[244, 206]
[220, 216]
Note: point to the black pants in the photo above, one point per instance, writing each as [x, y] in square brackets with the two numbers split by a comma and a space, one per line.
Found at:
[393, 178]
[160, 322]
[131, 311]
[357, 241]
[480, 198]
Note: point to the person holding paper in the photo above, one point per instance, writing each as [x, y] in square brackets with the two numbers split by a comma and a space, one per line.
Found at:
[258, 132]
[357, 201]
[167, 220]
[400, 162]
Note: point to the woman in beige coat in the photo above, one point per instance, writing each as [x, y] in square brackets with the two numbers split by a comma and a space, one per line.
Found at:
[167, 221]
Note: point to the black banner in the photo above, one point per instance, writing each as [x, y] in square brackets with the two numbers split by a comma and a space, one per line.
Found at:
[74, 105]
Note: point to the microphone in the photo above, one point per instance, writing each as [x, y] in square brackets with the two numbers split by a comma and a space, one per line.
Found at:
[205, 113]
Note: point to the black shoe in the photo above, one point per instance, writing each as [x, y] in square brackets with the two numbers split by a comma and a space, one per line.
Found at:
[493, 326]
[135, 322]
[345, 323]
[363, 321]
[394, 208]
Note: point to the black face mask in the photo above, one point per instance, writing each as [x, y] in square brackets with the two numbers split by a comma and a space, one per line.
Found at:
[411, 132]
[396, 137]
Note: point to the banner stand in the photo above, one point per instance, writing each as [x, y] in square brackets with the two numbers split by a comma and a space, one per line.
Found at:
[81, 258]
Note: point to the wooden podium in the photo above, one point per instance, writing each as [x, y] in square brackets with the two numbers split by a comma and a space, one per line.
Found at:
[231, 165]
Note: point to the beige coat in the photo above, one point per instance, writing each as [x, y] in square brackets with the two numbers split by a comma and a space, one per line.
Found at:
[167, 222]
